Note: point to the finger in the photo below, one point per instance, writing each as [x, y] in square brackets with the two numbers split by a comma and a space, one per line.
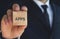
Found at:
[24, 8]
[5, 26]
[20, 28]
[16, 7]
[9, 15]
[4, 20]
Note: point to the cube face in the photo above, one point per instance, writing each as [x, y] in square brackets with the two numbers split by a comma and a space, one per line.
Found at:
[20, 18]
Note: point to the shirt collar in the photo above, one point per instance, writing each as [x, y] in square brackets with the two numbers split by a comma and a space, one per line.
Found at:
[40, 3]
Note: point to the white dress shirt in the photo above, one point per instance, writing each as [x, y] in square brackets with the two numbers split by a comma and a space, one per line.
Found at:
[49, 10]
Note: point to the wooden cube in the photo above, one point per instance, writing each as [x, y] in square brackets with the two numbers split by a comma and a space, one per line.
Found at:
[19, 18]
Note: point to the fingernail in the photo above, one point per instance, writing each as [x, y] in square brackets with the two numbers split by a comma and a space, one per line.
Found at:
[9, 12]
[24, 8]
[16, 7]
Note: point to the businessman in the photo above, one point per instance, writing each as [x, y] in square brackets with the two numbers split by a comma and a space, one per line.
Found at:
[43, 21]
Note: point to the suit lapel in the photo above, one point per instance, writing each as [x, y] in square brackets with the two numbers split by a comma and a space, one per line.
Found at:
[54, 13]
[56, 22]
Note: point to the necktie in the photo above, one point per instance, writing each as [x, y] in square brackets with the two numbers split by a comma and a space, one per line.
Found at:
[46, 14]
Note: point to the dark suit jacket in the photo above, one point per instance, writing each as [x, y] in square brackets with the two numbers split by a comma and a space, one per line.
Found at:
[37, 28]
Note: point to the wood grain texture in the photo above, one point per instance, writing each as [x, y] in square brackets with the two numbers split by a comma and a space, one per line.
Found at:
[20, 18]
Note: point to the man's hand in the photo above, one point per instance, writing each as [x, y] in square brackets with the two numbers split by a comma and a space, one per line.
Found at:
[7, 28]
